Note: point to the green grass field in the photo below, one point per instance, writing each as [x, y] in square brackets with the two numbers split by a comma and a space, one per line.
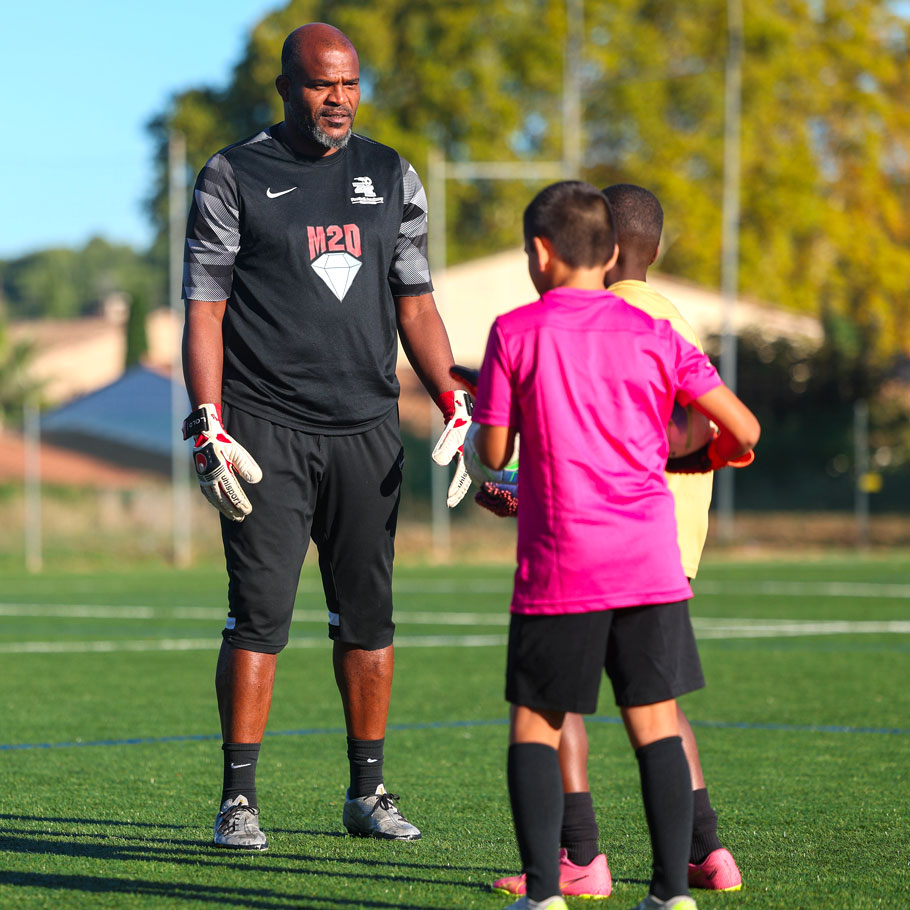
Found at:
[111, 766]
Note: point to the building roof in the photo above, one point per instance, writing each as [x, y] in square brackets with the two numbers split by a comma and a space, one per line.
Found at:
[130, 421]
[472, 294]
[63, 467]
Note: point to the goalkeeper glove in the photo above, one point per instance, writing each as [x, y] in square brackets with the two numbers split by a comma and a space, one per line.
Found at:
[467, 376]
[218, 458]
[499, 498]
[456, 410]
[706, 459]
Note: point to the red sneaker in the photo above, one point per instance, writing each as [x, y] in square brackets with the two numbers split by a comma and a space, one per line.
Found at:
[718, 872]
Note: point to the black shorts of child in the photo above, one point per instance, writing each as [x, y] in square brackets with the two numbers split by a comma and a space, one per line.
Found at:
[555, 663]
[341, 491]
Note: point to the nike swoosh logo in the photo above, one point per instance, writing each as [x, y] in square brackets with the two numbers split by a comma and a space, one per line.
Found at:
[371, 761]
[241, 766]
[272, 195]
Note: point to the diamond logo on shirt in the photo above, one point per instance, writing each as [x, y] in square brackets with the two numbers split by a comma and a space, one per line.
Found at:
[338, 271]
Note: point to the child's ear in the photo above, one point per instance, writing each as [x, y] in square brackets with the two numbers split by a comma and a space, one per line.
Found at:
[544, 250]
[612, 260]
[656, 254]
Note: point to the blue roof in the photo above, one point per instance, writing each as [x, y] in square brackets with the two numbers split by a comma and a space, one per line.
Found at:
[127, 420]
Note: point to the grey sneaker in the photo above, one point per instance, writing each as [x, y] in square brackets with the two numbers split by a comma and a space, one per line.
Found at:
[680, 902]
[377, 816]
[237, 826]
[551, 903]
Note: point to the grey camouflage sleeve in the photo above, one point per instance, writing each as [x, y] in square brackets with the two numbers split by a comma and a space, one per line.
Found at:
[212, 233]
[409, 275]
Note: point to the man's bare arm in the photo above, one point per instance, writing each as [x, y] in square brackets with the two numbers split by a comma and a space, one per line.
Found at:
[203, 350]
[425, 342]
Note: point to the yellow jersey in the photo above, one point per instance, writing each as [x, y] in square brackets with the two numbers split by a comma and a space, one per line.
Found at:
[692, 492]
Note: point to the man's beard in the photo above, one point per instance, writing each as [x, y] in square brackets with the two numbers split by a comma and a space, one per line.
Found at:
[304, 122]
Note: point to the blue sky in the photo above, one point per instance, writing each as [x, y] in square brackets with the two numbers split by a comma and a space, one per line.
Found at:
[80, 81]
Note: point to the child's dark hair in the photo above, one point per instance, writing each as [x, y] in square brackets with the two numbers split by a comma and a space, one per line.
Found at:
[638, 218]
[575, 217]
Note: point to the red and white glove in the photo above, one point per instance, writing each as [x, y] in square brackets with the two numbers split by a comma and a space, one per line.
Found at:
[456, 410]
[707, 459]
[219, 458]
[499, 498]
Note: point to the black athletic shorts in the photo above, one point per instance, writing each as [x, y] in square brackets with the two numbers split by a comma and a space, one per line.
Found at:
[555, 662]
[341, 491]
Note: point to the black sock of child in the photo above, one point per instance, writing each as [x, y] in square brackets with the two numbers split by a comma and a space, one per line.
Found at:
[666, 788]
[240, 771]
[704, 827]
[365, 760]
[535, 789]
[579, 834]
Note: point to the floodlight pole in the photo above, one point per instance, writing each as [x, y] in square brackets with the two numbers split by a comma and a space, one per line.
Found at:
[730, 237]
[572, 147]
[439, 171]
[180, 500]
[861, 470]
[34, 561]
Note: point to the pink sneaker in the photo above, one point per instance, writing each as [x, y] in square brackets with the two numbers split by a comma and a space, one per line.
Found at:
[592, 881]
[718, 872]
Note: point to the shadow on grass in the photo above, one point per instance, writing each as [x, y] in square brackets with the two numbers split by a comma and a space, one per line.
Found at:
[259, 898]
[200, 852]
[204, 854]
[8, 816]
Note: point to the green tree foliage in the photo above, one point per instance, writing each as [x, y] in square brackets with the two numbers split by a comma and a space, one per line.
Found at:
[64, 283]
[481, 81]
[826, 121]
[16, 386]
[137, 344]
[825, 148]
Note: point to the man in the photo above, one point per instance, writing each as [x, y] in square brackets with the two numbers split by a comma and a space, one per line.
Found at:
[306, 249]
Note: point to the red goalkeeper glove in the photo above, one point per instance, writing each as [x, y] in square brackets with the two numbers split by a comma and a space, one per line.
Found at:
[467, 376]
[456, 410]
[218, 458]
[499, 498]
[706, 459]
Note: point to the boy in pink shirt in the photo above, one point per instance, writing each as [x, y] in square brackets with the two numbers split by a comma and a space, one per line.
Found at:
[589, 382]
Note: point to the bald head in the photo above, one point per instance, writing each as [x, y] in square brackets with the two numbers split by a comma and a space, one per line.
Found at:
[307, 43]
[320, 87]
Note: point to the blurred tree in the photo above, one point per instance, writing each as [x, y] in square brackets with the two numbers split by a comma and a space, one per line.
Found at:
[137, 344]
[16, 386]
[826, 121]
[481, 81]
[64, 283]
[825, 149]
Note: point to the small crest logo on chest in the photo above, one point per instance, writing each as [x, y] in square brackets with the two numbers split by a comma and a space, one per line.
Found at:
[364, 192]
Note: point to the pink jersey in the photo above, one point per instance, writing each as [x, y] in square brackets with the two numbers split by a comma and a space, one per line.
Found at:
[589, 382]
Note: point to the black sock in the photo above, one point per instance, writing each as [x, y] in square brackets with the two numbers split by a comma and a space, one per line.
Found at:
[666, 788]
[240, 771]
[535, 789]
[365, 760]
[704, 827]
[579, 833]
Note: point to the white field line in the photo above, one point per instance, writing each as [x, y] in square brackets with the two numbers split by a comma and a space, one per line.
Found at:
[212, 644]
[806, 589]
[705, 628]
[453, 587]
[217, 614]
